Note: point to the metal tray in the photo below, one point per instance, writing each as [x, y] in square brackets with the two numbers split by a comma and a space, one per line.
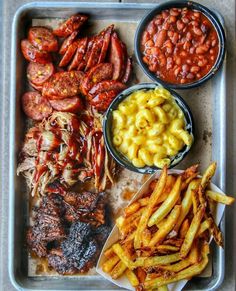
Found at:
[208, 104]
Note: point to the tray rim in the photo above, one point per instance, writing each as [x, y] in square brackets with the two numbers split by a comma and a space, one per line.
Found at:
[112, 5]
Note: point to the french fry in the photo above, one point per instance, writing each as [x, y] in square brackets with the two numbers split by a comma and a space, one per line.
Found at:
[128, 225]
[132, 208]
[134, 216]
[186, 203]
[129, 237]
[167, 205]
[177, 266]
[119, 251]
[189, 272]
[192, 231]
[118, 270]
[208, 174]
[128, 249]
[161, 223]
[148, 210]
[141, 274]
[146, 237]
[202, 196]
[189, 172]
[161, 249]
[215, 231]
[163, 197]
[132, 277]
[170, 181]
[218, 197]
[167, 248]
[206, 224]
[120, 222]
[167, 227]
[217, 235]
[110, 263]
[153, 185]
[184, 228]
[173, 241]
[143, 201]
[195, 201]
[188, 180]
[211, 206]
[156, 274]
[157, 260]
[194, 254]
[109, 253]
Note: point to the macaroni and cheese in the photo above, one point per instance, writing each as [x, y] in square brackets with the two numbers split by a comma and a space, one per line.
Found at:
[148, 127]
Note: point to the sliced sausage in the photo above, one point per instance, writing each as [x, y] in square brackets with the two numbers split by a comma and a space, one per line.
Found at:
[36, 87]
[106, 86]
[33, 54]
[124, 59]
[128, 71]
[95, 53]
[72, 104]
[96, 74]
[81, 65]
[63, 85]
[37, 73]
[70, 25]
[35, 106]
[67, 42]
[102, 101]
[106, 41]
[68, 54]
[89, 49]
[82, 44]
[43, 38]
[116, 56]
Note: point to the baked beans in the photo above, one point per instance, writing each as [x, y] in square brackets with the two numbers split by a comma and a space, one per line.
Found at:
[180, 45]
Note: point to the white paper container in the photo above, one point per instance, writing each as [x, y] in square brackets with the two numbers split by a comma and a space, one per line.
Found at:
[114, 236]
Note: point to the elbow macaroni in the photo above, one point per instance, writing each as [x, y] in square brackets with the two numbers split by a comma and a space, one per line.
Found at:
[149, 128]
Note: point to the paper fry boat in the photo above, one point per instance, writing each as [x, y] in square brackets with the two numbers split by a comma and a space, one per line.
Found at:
[114, 236]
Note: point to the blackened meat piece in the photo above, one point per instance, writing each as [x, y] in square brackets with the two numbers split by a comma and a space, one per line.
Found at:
[51, 205]
[86, 207]
[48, 224]
[78, 263]
[84, 202]
[89, 258]
[101, 234]
[35, 245]
[79, 252]
[60, 263]
[79, 231]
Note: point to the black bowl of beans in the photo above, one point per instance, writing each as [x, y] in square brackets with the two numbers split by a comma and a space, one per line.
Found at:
[180, 44]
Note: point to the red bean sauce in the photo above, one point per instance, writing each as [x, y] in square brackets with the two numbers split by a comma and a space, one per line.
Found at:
[180, 45]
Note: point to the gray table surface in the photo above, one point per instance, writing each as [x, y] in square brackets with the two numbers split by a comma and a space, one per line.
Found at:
[227, 9]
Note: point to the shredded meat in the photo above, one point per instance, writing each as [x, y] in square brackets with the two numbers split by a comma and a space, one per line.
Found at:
[62, 147]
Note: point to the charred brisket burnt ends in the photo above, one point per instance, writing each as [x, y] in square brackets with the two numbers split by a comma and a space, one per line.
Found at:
[49, 225]
[87, 207]
[78, 253]
[69, 229]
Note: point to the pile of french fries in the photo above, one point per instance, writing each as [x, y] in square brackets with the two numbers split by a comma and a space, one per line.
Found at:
[164, 235]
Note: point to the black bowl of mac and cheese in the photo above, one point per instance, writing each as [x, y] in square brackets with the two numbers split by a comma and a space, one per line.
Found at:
[148, 126]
